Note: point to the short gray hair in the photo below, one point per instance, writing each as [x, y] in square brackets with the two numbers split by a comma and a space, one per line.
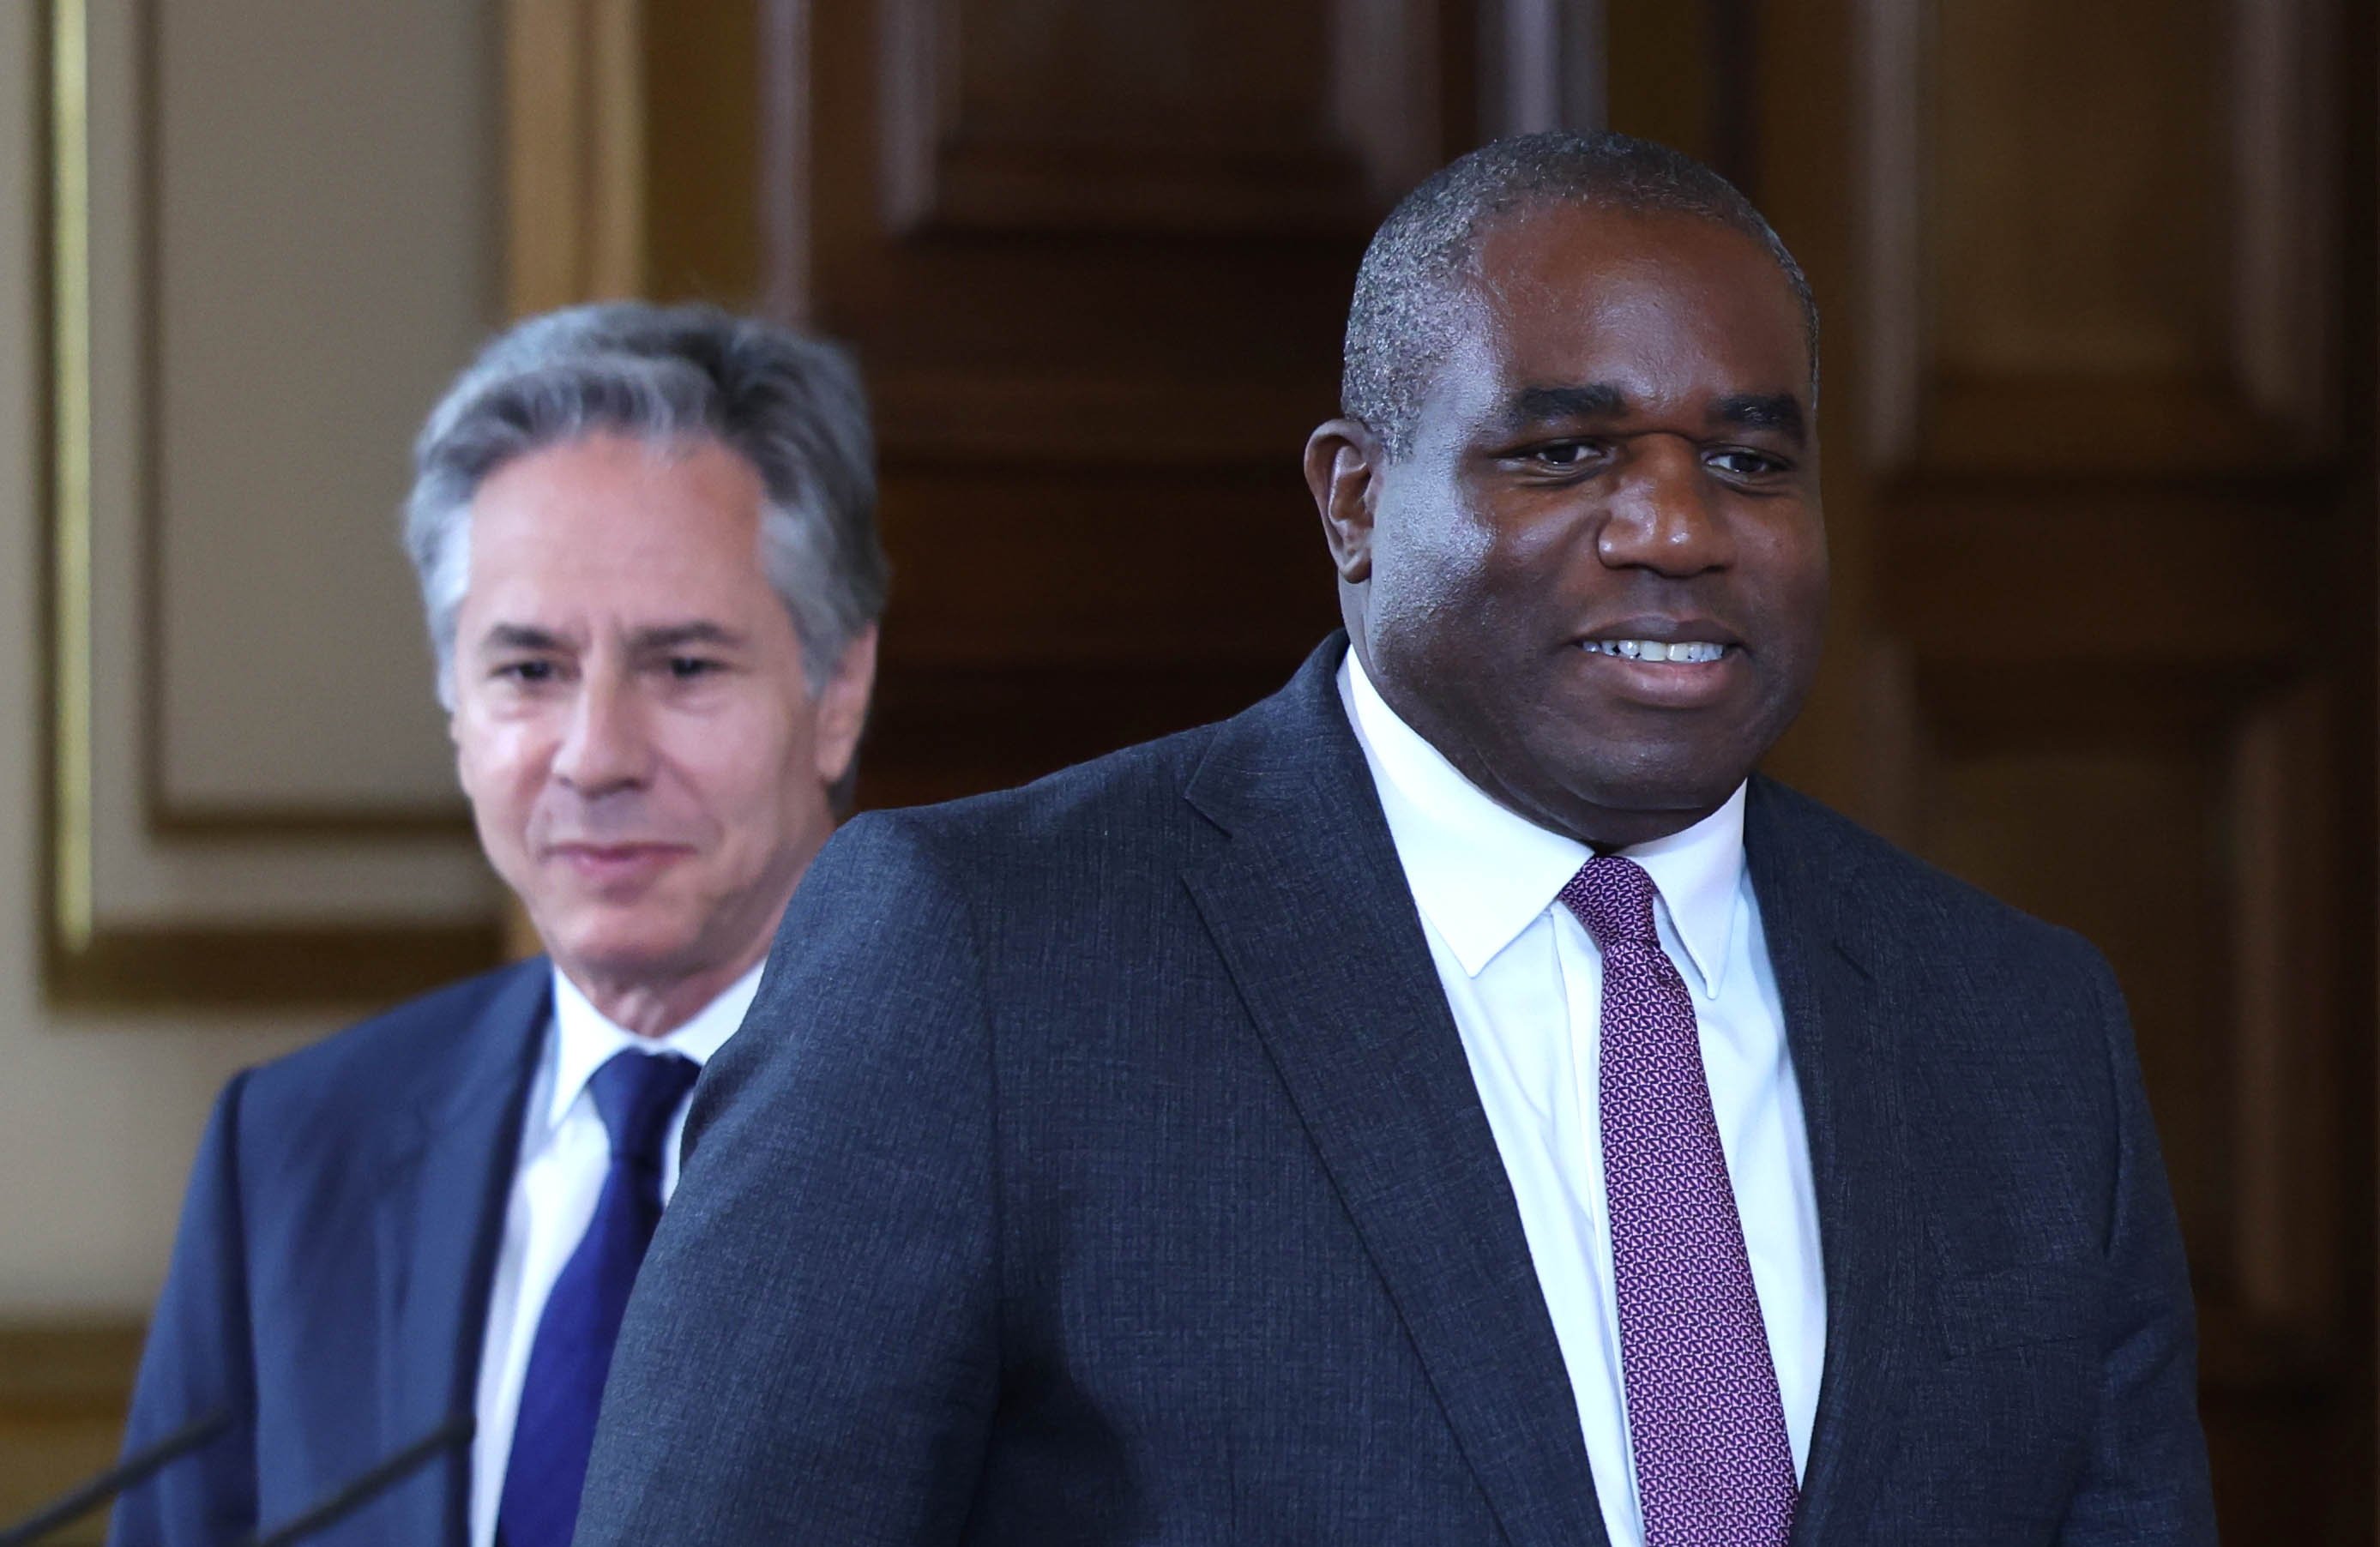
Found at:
[1418, 260]
[789, 405]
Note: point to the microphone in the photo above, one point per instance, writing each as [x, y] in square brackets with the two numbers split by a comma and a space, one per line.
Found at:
[368, 1486]
[132, 1470]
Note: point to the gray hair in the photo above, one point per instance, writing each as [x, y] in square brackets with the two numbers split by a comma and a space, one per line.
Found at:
[1398, 329]
[789, 405]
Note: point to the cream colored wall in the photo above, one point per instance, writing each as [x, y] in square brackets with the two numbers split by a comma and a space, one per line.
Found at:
[99, 1113]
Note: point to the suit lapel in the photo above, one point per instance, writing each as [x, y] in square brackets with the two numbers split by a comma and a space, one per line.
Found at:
[441, 1221]
[1842, 1029]
[1309, 908]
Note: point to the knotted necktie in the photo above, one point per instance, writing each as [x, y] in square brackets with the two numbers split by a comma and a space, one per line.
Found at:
[1705, 1420]
[635, 1093]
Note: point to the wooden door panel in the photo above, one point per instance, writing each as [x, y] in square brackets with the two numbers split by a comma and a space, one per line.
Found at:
[1173, 117]
[1112, 565]
[1095, 258]
[2116, 609]
[2163, 813]
[2103, 235]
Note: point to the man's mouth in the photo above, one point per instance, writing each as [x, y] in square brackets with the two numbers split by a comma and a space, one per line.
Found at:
[1688, 652]
[611, 862]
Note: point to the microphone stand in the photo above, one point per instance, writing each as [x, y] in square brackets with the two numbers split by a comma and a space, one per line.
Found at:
[455, 1431]
[130, 1473]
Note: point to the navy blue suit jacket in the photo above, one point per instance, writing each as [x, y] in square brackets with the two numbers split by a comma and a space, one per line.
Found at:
[1100, 1163]
[329, 1282]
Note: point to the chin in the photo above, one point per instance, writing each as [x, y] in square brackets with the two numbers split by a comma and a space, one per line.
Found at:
[1668, 800]
[1650, 779]
[625, 947]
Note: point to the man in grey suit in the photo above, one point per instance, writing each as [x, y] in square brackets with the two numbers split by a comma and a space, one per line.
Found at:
[1456, 1100]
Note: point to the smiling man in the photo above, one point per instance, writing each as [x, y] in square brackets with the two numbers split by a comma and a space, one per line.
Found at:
[1457, 1100]
[647, 549]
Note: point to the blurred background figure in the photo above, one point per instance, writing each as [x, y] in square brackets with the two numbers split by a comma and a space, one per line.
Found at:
[2099, 284]
[646, 543]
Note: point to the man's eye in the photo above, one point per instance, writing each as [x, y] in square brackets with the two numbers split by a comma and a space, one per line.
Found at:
[527, 671]
[1746, 464]
[1564, 454]
[688, 667]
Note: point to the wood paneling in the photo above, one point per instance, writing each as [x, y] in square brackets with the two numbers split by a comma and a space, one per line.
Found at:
[574, 179]
[1095, 258]
[2114, 630]
[1171, 115]
[2160, 810]
[2105, 235]
[701, 144]
[201, 225]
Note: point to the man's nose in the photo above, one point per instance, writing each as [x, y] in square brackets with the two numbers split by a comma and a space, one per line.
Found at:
[1661, 515]
[605, 745]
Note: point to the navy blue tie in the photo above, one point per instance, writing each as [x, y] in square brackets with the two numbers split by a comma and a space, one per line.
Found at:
[635, 1093]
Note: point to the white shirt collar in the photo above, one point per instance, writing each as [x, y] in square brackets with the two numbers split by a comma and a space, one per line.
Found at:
[1481, 873]
[584, 1039]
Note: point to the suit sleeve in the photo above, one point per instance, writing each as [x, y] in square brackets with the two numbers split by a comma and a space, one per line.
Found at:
[810, 1353]
[197, 1362]
[2145, 1478]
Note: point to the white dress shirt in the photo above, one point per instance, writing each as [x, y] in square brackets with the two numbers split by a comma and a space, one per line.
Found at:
[564, 1156]
[1525, 984]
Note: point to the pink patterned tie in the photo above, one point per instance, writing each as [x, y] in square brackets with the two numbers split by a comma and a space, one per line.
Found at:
[1713, 1467]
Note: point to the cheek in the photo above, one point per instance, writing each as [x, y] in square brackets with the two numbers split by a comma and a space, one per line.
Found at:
[1793, 571]
[1431, 562]
[747, 773]
[498, 763]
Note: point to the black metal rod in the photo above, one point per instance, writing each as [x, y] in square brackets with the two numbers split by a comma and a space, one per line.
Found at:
[455, 1431]
[128, 1473]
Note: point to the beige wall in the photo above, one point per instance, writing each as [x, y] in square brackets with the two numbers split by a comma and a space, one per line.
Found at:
[99, 1111]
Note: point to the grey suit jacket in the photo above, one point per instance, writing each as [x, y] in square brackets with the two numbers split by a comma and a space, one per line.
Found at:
[1099, 1163]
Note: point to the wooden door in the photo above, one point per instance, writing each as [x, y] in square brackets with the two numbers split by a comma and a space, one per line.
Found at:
[1095, 258]
[2098, 287]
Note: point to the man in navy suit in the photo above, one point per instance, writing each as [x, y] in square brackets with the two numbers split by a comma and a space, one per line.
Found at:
[647, 549]
[1457, 1100]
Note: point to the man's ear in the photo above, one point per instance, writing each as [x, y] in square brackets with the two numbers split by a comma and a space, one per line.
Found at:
[843, 707]
[1342, 462]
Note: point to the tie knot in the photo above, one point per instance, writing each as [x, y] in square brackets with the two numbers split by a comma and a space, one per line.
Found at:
[635, 1094]
[1613, 898]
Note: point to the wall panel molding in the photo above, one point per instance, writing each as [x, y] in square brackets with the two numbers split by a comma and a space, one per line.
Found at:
[1031, 141]
[2183, 840]
[1545, 67]
[575, 140]
[204, 845]
[2180, 340]
[1095, 259]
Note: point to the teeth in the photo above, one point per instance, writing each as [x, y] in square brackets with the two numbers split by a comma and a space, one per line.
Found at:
[1694, 652]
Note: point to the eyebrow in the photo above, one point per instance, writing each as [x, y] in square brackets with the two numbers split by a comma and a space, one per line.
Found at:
[520, 636]
[1778, 411]
[1531, 407]
[673, 637]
